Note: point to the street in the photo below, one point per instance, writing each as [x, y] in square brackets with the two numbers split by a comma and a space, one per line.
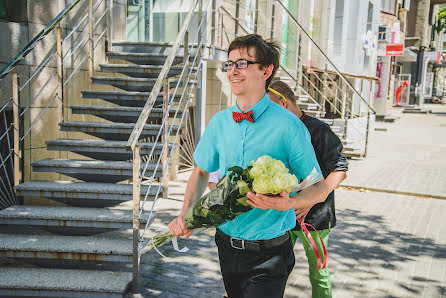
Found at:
[385, 244]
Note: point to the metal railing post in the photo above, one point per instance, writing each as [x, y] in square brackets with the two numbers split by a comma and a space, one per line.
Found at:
[325, 74]
[16, 120]
[60, 103]
[90, 41]
[136, 198]
[108, 41]
[352, 98]
[271, 35]
[256, 17]
[185, 55]
[200, 36]
[221, 29]
[344, 97]
[213, 23]
[165, 171]
[362, 94]
[237, 15]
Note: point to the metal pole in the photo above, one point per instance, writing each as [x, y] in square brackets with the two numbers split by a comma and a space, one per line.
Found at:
[136, 198]
[256, 17]
[16, 119]
[91, 46]
[237, 15]
[185, 55]
[352, 111]
[165, 171]
[108, 42]
[344, 95]
[60, 103]
[325, 74]
[213, 35]
[362, 94]
[271, 36]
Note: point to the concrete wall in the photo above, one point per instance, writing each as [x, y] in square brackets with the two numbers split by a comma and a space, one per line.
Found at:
[42, 92]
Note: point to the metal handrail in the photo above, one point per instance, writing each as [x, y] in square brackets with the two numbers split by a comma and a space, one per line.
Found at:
[136, 132]
[322, 52]
[30, 46]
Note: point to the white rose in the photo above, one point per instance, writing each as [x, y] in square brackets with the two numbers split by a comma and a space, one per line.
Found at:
[280, 182]
[262, 184]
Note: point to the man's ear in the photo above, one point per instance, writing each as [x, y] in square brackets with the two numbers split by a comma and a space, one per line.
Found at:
[284, 103]
[267, 71]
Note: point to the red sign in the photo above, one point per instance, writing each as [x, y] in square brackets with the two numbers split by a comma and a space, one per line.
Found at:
[438, 57]
[394, 50]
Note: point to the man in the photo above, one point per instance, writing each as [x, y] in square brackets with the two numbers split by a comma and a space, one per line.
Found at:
[255, 250]
[328, 148]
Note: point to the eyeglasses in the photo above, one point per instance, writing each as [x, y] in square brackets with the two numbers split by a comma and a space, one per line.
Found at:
[239, 64]
[278, 93]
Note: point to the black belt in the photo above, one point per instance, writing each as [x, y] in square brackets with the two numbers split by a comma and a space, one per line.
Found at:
[256, 245]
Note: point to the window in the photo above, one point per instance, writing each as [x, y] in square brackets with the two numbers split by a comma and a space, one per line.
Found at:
[3, 9]
[388, 6]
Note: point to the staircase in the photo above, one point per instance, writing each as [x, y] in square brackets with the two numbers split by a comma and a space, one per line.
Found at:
[62, 250]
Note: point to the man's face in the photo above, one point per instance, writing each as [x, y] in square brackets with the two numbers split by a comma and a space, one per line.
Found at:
[249, 80]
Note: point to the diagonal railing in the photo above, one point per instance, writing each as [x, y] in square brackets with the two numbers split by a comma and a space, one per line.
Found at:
[321, 52]
[68, 54]
[171, 125]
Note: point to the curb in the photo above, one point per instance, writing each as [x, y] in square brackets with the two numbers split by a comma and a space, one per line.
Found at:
[407, 193]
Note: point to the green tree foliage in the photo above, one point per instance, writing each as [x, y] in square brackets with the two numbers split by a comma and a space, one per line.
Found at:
[441, 20]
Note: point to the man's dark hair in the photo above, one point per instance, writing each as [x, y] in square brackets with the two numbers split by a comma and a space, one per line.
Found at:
[285, 90]
[267, 52]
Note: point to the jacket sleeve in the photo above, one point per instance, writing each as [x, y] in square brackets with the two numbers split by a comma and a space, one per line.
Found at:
[328, 148]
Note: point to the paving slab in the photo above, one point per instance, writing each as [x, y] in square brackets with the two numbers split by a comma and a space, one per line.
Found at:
[409, 157]
[385, 245]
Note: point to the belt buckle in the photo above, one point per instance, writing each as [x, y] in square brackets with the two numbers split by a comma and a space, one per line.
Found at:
[235, 246]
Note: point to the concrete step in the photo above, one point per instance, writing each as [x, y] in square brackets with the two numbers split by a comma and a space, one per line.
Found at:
[69, 217]
[123, 114]
[130, 84]
[63, 282]
[103, 150]
[140, 71]
[92, 170]
[83, 190]
[316, 114]
[146, 47]
[125, 98]
[328, 121]
[112, 131]
[308, 106]
[143, 58]
[81, 248]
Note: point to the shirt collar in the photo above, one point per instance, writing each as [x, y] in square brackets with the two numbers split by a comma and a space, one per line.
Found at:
[258, 108]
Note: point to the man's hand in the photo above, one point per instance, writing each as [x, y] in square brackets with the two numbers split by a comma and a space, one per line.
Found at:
[280, 203]
[302, 212]
[177, 227]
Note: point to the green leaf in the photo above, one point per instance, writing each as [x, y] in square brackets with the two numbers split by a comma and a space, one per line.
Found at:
[243, 201]
[204, 212]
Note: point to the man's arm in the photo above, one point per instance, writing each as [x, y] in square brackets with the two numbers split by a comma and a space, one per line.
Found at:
[309, 196]
[332, 181]
[194, 190]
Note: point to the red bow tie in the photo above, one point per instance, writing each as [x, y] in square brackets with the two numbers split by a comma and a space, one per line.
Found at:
[238, 117]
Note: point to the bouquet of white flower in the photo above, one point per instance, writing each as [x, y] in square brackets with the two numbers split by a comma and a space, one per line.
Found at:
[228, 199]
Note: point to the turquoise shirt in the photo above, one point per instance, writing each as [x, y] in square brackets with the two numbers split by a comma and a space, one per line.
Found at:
[275, 132]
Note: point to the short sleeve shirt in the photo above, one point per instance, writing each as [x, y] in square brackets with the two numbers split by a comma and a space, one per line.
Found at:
[275, 132]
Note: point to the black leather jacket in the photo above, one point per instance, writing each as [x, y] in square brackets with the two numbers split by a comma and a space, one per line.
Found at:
[328, 148]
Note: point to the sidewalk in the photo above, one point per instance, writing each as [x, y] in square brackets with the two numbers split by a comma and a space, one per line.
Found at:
[408, 158]
[384, 245]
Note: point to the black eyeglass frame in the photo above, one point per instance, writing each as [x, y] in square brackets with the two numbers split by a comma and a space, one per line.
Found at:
[237, 64]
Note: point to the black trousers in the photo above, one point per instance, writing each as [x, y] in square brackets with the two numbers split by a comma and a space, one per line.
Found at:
[254, 274]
